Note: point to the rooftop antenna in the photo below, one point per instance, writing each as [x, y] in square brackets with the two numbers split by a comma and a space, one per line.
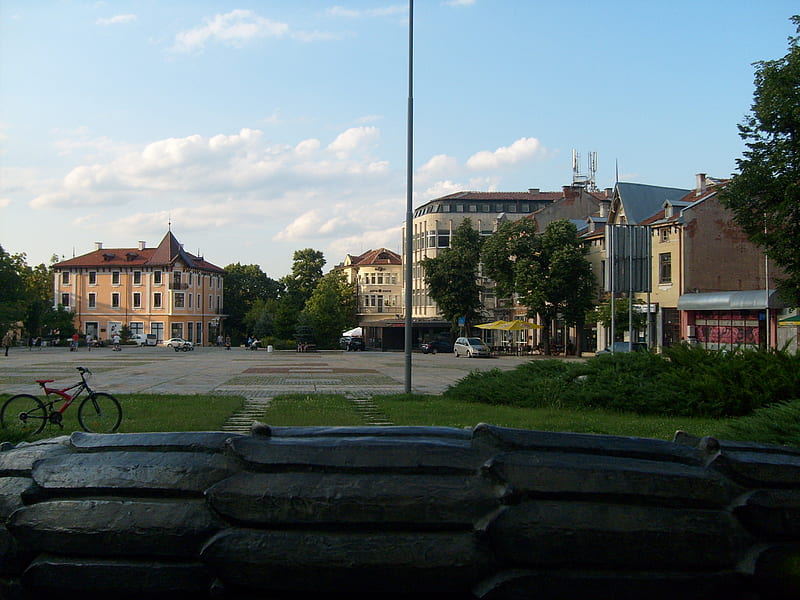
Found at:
[578, 178]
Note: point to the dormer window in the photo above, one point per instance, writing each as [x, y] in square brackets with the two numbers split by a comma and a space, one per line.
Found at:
[108, 256]
[669, 210]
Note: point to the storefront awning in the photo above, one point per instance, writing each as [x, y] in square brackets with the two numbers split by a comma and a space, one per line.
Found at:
[748, 300]
[793, 321]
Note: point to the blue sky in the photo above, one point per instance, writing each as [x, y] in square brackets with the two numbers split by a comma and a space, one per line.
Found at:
[263, 127]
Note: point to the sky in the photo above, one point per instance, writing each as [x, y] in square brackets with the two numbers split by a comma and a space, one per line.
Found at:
[253, 129]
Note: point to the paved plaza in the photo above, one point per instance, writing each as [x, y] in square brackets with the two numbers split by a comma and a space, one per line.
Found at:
[258, 375]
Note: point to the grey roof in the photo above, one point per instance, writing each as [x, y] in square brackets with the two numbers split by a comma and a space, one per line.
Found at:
[642, 201]
[746, 300]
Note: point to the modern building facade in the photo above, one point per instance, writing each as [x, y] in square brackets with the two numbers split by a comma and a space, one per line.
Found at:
[163, 290]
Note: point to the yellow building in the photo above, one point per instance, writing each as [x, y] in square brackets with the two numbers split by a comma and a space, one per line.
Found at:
[163, 290]
[378, 277]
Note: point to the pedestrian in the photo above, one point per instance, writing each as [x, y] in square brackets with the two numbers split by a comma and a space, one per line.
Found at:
[227, 342]
[219, 341]
[89, 341]
[74, 345]
[7, 341]
[115, 341]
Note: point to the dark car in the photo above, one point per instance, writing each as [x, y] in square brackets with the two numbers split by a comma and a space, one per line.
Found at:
[352, 343]
[623, 347]
[435, 346]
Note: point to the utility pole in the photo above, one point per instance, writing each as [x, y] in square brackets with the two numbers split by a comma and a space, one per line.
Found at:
[409, 205]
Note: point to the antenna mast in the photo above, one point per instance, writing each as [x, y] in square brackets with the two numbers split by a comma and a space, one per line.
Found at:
[578, 178]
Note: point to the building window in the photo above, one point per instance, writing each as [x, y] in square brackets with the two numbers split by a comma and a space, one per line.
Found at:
[136, 327]
[92, 300]
[137, 300]
[664, 234]
[92, 277]
[115, 300]
[65, 278]
[190, 301]
[199, 302]
[176, 279]
[444, 238]
[65, 300]
[157, 277]
[137, 278]
[114, 277]
[665, 267]
[157, 300]
[180, 300]
[176, 330]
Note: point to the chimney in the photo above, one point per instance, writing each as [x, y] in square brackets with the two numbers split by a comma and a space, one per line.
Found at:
[98, 245]
[533, 190]
[701, 183]
[142, 244]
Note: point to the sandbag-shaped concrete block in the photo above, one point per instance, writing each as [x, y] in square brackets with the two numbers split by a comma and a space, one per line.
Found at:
[563, 534]
[347, 562]
[19, 461]
[11, 493]
[356, 453]
[57, 576]
[557, 584]
[760, 468]
[153, 473]
[775, 570]
[556, 473]
[395, 431]
[505, 439]
[771, 514]
[188, 441]
[114, 527]
[415, 500]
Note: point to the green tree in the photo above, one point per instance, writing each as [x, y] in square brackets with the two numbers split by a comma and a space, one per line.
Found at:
[12, 290]
[38, 298]
[331, 308]
[306, 273]
[452, 276]
[765, 194]
[244, 285]
[602, 314]
[258, 319]
[547, 272]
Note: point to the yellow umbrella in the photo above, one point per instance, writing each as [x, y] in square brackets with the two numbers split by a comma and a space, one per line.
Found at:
[519, 325]
[492, 325]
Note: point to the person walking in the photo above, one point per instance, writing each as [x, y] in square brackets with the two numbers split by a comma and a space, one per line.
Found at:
[7, 341]
[74, 346]
[227, 342]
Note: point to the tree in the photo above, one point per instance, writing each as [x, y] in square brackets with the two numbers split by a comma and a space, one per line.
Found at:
[12, 290]
[547, 272]
[332, 308]
[452, 276]
[306, 273]
[244, 285]
[765, 195]
[602, 314]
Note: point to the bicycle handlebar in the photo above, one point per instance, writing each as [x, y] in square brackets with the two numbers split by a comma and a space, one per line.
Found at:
[83, 370]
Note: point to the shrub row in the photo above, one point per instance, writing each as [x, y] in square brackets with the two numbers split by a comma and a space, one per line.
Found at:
[684, 381]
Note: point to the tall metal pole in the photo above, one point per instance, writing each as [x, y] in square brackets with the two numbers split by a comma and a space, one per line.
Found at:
[409, 208]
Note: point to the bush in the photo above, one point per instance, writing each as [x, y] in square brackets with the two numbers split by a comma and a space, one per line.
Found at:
[684, 381]
[778, 424]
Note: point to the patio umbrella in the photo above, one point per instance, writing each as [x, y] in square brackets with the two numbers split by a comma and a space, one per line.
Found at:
[519, 326]
[492, 325]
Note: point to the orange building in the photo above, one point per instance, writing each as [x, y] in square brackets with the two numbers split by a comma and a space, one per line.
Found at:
[163, 290]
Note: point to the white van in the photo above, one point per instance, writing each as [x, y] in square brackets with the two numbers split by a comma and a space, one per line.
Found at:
[470, 346]
[144, 339]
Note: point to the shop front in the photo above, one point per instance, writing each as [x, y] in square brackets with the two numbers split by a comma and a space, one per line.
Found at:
[717, 320]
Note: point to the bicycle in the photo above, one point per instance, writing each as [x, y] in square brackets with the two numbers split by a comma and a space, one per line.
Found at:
[97, 413]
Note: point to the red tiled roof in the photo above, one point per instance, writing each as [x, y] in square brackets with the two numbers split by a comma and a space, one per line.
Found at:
[529, 195]
[167, 252]
[381, 256]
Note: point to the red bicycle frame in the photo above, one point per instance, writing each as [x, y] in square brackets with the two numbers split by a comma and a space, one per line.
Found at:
[63, 392]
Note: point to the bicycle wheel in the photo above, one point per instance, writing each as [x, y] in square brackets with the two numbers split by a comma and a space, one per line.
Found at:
[100, 413]
[22, 415]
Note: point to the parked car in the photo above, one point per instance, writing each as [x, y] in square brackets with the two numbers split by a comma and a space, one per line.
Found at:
[178, 344]
[622, 347]
[435, 346]
[470, 346]
[352, 343]
[144, 339]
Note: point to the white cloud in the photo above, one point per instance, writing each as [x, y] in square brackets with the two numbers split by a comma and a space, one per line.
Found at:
[522, 149]
[233, 28]
[438, 166]
[460, 2]
[353, 140]
[117, 20]
[351, 13]
[5, 202]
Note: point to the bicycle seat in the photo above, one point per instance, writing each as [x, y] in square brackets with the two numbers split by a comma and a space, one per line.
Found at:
[43, 381]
